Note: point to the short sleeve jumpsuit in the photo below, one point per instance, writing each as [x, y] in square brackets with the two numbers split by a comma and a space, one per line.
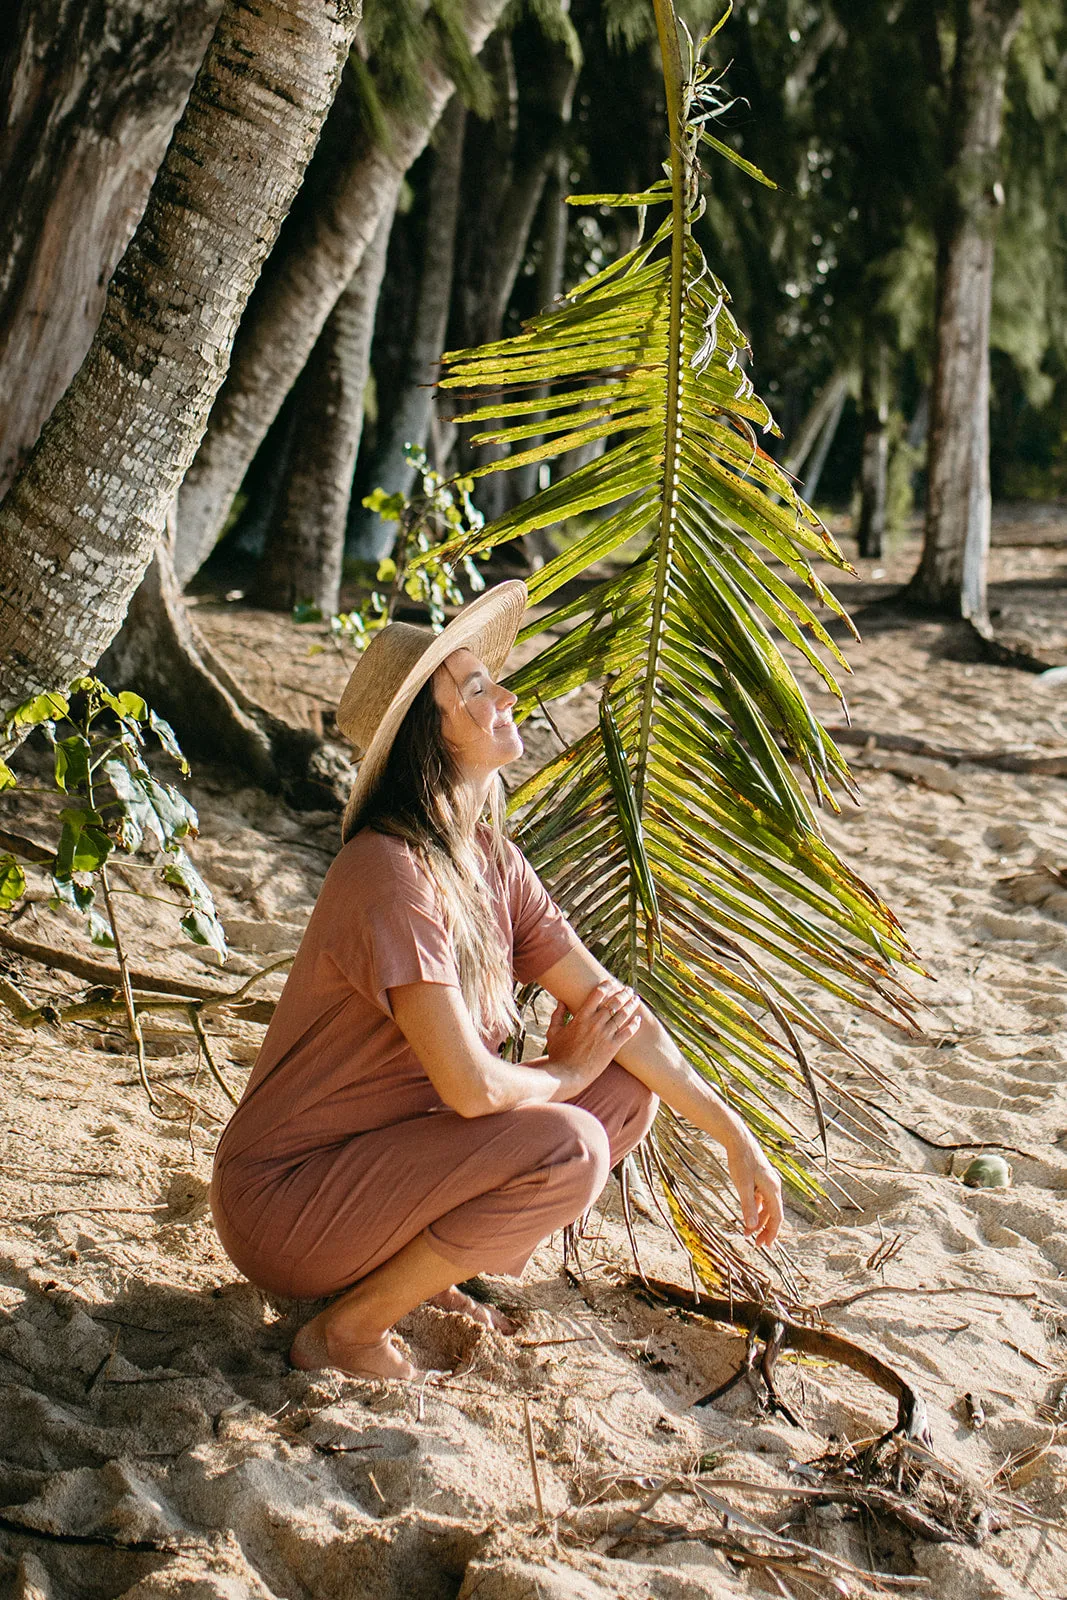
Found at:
[341, 1151]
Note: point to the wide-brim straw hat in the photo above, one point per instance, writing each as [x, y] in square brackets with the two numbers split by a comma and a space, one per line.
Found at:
[395, 665]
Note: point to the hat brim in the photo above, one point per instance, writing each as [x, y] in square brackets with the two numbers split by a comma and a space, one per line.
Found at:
[487, 627]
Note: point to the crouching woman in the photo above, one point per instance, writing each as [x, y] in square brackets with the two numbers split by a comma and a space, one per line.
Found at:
[383, 1148]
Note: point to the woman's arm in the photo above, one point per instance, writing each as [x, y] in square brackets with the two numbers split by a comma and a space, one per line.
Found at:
[473, 1081]
[652, 1056]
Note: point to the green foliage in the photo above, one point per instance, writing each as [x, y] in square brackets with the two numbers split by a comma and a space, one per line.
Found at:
[677, 832]
[439, 510]
[116, 809]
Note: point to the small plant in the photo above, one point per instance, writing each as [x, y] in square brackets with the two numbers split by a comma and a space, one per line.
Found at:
[440, 510]
[113, 810]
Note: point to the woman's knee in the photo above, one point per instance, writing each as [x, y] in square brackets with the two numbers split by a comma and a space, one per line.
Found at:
[571, 1146]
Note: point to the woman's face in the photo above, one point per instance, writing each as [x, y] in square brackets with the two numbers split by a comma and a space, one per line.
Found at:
[475, 715]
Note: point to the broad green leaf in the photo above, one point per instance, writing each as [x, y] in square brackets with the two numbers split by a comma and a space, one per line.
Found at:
[84, 846]
[8, 779]
[127, 705]
[201, 922]
[168, 739]
[42, 708]
[148, 807]
[72, 762]
[12, 882]
[81, 897]
[205, 930]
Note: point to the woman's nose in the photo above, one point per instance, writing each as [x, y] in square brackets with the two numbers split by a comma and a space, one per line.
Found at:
[506, 699]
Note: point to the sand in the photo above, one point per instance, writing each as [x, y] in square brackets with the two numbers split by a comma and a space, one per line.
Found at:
[154, 1442]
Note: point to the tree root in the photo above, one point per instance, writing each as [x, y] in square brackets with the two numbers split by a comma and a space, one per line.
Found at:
[159, 653]
[104, 999]
[778, 1331]
[181, 992]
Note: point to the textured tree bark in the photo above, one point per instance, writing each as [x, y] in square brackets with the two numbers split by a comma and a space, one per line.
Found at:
[92, 94]
[306, 541]
[503, 188]
[874, 464]
[409, 421]
[552, 265]
[315, 261]
[952, 573]
[82, 519]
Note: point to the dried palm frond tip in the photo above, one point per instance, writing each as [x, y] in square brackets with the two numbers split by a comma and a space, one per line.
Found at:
[676, 832]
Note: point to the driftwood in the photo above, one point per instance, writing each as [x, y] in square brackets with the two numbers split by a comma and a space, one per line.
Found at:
[108, 976]
[778, 1331]
[1052, 766]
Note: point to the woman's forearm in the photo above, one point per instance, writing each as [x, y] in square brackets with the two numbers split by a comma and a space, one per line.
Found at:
[653, 1057]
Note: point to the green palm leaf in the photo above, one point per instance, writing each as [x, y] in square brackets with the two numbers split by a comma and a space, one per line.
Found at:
[677, 832]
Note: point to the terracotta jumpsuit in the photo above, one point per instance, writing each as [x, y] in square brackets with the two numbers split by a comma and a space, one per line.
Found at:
[341, 1151]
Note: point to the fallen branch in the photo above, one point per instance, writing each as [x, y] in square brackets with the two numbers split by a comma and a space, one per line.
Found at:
[1054, 766]
[868, 1496]
[901, 1288]
[946, 1145]
[181, 990]
[779, 1331]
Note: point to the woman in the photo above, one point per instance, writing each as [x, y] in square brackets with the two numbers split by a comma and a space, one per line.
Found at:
[383, 1149]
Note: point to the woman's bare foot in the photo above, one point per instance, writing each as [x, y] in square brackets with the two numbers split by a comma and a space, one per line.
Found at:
[316, 1346]
[454, 1299]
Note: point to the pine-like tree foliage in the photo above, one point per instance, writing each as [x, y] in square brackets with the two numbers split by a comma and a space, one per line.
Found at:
[677, 832]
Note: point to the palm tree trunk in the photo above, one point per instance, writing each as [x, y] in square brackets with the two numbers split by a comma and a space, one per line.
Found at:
[551, 267]
[509, 177]
[951, 577]
[314, 263]
[158, 654]
[409, 422]
[306, 540]
[825, 439]
[91, 94]
[874, 464]
[830, 396]
[84, 516]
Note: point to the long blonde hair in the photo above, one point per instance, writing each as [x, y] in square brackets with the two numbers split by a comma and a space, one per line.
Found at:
[419, 798]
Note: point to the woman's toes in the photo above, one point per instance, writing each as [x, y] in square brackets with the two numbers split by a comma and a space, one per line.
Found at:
[455, 1300]
[379, 1360]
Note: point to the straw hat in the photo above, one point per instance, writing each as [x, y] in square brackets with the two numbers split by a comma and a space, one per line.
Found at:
[396, 664]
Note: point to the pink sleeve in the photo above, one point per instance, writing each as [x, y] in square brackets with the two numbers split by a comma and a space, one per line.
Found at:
[403, 942]
[390, 932]
[541, 933]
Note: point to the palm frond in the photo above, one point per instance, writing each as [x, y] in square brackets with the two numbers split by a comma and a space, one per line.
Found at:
[677, 831]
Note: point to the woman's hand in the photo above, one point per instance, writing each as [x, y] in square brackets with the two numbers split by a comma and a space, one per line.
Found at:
[580, 1049]
[758, 1186]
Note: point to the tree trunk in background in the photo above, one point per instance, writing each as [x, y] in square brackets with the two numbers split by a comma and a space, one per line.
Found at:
[315, 261]
[809, 488]
[831, 397]
[306, 542]
[409, 421]
[158, 654]
[552, 266]
[874, 464]
[952, 574]
[92, 94]
[503, 188]
[83, 518]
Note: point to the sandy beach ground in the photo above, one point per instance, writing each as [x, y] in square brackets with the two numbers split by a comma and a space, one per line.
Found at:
[154, 1443]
